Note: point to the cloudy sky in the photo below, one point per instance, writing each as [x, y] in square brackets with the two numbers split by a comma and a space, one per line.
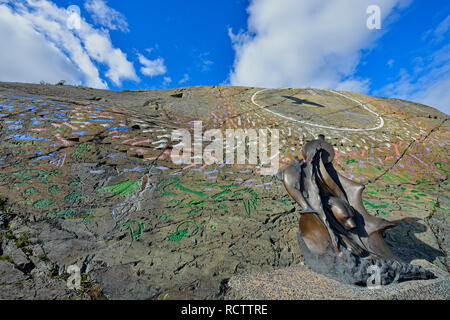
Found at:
[265, 43]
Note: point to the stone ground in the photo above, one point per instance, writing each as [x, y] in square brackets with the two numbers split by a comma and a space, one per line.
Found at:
[86, 179]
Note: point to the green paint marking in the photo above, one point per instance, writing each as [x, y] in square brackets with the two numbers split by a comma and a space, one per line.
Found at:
[54, 189]
[122, 189]
[81, 149]
[41, 175]
[249, 205]
[223, 206]
[284, 199]
[164, 217]
[213, 227]
[398, 177]
[183, 188]
[193, 203]
[177, 236]
[209, 184]
[43, 203]
[221, 193]
[75, 197]
[74, 184]
[372, 192]
[135, 234]
[192, 211]
[164, 191]
[86, 221]
[374, 206]
[30, 191]
[233, 185]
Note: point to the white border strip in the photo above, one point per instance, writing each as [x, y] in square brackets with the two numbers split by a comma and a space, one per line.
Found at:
[380, 118]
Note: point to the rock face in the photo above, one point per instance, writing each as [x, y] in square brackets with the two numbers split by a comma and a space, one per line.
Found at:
[86, 179]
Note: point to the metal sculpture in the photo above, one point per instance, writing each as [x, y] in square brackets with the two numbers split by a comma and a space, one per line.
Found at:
[337, 235]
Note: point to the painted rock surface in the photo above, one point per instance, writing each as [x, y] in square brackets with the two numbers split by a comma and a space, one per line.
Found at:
[86, 179]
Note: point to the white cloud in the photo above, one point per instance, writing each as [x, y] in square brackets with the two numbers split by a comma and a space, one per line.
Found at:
[106, 16]
[28, 56]
[205, 63]
[152, 68]
[76, 50]
[442, 29]
[308, 43]
[390, 63]
[428, 83]
[167, 81]
[184, 79]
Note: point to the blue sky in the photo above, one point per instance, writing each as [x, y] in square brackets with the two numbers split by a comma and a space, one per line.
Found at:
[129, 45]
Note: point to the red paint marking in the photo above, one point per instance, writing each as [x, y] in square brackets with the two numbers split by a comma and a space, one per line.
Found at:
[143, 141]
[189, 166]
[64, 141]
[70, 126]
[396, 150]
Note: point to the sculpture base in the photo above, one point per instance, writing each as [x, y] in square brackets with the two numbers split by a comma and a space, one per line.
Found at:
[352, 269]
[301, 283]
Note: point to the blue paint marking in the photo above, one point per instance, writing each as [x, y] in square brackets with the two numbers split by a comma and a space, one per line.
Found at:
[2, 159]
[135, 169]
[35, 122]
[3, 115]
[13, 122]
[101, 120]
[97, 171]
[213, 171]
[118, 128]
[26, 136]
[81, 133]
[54, 119]
[101, 109]
[51, 155]
[14, 127]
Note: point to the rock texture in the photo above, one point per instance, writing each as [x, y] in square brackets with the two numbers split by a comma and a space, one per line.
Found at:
[86, 179]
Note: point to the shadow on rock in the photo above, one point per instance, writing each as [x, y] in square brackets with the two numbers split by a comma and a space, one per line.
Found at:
[303, 101]
[403, 236]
